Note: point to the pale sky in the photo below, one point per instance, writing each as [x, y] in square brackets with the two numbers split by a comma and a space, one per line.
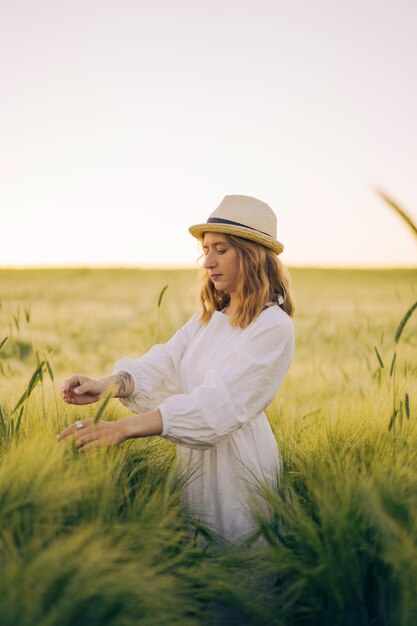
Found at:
[124, 122]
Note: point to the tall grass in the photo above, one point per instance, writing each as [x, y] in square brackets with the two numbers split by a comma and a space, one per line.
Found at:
[101, 538]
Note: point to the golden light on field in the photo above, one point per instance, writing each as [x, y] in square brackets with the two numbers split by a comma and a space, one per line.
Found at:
[124, 123]
[101, 535]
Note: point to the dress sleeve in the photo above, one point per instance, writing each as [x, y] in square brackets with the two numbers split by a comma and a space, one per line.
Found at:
[155, 374]
[241, 388]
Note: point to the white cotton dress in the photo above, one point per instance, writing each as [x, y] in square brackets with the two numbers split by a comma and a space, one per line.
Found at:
[212, 384]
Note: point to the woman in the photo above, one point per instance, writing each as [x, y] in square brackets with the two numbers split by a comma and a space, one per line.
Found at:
[207, 388]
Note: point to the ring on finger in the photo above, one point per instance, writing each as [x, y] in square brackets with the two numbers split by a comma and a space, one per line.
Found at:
[79, 424]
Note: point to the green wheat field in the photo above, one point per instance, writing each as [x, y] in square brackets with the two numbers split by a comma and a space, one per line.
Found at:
[100, 539]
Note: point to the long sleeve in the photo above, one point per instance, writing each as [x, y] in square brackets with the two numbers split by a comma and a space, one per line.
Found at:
[155, 374]
[233, 391]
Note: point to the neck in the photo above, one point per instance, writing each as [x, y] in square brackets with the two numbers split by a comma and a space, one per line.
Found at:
[231, 306]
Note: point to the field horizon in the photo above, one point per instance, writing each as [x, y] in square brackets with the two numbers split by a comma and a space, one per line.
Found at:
[194, 267]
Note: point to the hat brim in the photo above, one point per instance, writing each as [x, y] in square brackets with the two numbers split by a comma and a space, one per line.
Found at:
[198, 231]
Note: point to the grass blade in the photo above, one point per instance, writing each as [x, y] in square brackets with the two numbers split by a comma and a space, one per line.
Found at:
[3, 342]
[38, 361]
[19, 419]
[31, 386]
[36, 377]
[404, 216]
[50, 370]
[20, 401]
[401, 414]
[394, 358]
[3, 422]
[381, 362]
[102, 407]
[16, 321]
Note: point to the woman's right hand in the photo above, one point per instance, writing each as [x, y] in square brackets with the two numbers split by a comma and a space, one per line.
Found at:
[78, 389]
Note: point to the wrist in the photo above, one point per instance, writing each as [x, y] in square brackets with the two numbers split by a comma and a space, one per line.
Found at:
[125, 428]
[142, 425]
[121, 385]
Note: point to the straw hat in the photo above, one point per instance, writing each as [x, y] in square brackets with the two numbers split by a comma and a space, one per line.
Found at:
[245, 217]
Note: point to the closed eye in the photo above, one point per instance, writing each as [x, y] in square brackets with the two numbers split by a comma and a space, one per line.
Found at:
[205, 251]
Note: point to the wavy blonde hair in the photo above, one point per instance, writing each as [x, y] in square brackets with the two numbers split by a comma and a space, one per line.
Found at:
[262, 278]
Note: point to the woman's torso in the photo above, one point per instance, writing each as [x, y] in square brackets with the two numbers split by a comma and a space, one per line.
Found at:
[223, 476]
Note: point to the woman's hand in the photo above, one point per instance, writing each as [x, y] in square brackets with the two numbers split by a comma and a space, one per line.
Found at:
[78, 389]
[87, 435]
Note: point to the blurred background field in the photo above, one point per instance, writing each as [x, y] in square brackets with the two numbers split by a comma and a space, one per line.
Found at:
[86, 319]
[100, 538]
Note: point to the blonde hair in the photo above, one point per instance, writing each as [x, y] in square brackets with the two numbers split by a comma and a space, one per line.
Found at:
[262, 278]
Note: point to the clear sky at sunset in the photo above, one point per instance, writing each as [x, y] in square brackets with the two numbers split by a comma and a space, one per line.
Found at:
[124, 122]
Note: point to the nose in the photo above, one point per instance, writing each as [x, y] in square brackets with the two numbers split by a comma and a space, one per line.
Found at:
[209, 261]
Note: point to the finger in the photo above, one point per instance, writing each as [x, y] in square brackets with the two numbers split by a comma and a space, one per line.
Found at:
[85, 439]
[73, 429]
[88, 446]
[65, 433]
[84, 399]
[84, 387]
[71, 382]
[73, 396]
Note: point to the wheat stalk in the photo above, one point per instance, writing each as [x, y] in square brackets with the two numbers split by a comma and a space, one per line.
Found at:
[407, 219]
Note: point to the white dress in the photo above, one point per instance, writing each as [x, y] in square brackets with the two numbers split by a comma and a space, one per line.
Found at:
[212, 384]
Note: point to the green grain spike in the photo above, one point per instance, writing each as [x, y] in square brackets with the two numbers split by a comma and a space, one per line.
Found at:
[407, 405]
[404, 321]
[161, 295]
[392, 420]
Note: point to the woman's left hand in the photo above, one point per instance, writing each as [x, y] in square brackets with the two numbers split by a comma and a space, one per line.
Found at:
[87, 435]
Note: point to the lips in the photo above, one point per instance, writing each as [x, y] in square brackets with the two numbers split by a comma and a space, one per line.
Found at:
[215, 276]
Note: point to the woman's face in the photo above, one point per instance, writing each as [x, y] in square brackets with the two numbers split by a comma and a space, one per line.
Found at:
[221, 261]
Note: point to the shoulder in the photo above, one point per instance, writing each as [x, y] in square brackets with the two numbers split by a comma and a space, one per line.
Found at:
[192, 325]
[273, 329]
[186, 332]
[273, 317]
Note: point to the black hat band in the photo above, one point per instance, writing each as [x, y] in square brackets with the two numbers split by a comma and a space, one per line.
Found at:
[218, 220]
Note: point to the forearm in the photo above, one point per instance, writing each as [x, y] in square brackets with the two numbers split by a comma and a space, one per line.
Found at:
[121, 385]
[142, 425]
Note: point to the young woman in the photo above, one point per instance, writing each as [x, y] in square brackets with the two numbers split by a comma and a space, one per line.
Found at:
[207, 388]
